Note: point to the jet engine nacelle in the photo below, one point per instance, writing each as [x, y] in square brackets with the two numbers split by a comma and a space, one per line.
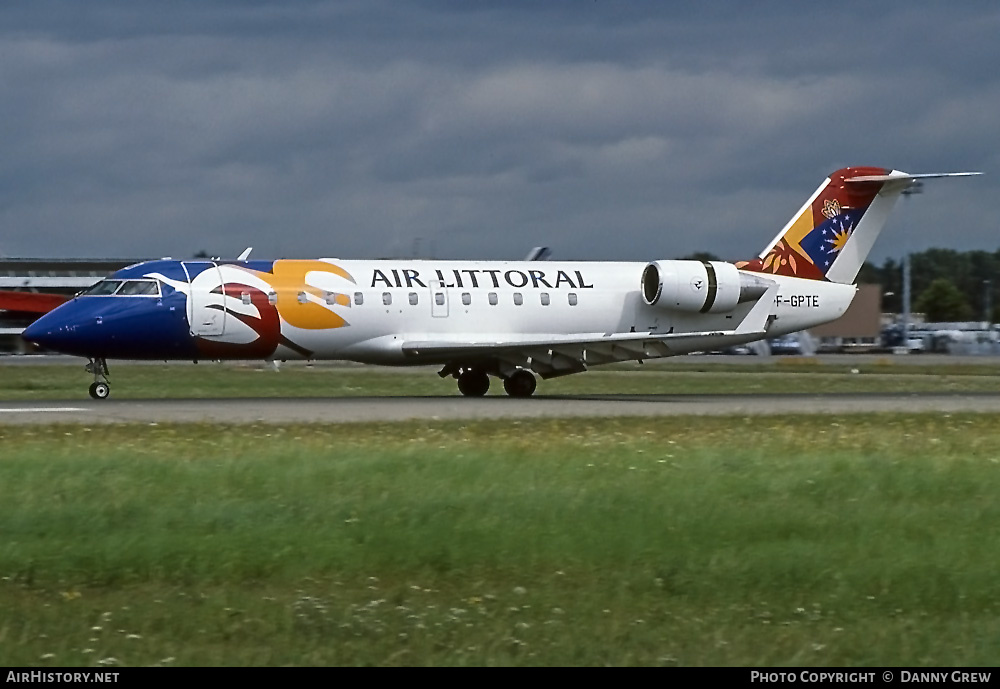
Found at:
[699, 286]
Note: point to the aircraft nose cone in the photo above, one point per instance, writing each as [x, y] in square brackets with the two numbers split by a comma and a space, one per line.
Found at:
[33, 332]
[45, 332]
[64, 329]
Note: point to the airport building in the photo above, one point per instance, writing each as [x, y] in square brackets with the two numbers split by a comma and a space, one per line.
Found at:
[60, 278]
[859, 329]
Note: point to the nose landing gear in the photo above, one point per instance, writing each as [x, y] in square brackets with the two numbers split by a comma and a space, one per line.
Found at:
[100, 389]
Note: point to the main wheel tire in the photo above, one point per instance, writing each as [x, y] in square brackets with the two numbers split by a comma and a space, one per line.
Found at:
[521, 384]
[100, 391]
[473, 383]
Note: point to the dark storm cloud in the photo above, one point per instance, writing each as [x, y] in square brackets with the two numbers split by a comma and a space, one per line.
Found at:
[605, 130]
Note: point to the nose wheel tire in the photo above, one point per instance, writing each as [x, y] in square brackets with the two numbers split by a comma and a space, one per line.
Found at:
[99, 389]
[473, 383]
[521, 384]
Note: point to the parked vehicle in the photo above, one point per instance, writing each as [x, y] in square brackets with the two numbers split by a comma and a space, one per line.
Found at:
[787, 344]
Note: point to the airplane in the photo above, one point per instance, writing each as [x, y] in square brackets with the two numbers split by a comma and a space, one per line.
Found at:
[18, 309]
[483, 319]
[29, 303]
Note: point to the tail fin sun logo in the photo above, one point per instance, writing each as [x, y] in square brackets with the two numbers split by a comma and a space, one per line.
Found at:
[825, 243]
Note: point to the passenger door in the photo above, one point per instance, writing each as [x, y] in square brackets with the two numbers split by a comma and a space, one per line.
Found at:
[206, 309]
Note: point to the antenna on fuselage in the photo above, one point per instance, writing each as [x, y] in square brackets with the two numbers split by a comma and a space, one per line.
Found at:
[245, 255]
[539, 253]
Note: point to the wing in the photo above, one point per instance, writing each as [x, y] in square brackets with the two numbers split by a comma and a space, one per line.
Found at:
[558, 355]
[30, 302]
[561, 354]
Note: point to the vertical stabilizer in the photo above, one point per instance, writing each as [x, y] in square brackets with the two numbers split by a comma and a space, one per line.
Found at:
[838, 214]
[831, 235]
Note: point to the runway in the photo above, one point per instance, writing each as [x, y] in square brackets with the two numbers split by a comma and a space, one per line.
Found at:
[362, 409]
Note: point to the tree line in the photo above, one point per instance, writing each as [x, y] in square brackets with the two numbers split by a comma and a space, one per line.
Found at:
[945, 285]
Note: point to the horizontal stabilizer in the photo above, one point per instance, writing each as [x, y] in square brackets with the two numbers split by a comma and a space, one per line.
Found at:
[896, 175]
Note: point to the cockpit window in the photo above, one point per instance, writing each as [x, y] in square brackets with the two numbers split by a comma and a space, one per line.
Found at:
[140, 288]
[102, 288]
[126, 288]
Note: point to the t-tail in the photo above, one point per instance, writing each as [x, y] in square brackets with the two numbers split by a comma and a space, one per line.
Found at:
[831, 235]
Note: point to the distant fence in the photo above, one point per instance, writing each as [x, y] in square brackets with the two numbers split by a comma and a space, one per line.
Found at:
[974, 348]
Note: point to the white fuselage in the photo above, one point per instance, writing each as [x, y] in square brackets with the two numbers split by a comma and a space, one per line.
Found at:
[385, 304]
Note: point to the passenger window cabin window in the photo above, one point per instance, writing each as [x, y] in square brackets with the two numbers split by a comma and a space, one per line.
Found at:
[272, 298]
[572, 298]
[303, 298]
[245, 298]
[413, 298]
[386, 298]
[466, 298]
[545, 298]
[518, 299]
[439, 298]
[359, 298]
[493, 299]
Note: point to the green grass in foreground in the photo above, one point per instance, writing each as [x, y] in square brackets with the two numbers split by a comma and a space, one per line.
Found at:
[212, 380]
[855, 540]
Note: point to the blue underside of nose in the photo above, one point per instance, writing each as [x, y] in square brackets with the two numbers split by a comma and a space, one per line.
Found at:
[115, 327]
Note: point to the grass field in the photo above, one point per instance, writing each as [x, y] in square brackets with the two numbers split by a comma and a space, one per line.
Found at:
[684, 376]
[855, 540]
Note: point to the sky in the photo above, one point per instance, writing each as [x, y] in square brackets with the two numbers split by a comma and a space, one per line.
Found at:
[605, 130]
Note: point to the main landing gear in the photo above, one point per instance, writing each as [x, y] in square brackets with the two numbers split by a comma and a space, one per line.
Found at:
[100, 389]
[520, 384]
[475, 382]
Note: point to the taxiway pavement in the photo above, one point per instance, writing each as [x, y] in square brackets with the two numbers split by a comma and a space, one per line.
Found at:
[362, 409]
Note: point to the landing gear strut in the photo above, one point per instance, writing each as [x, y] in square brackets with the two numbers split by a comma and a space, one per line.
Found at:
[520, 384]
[100, 388]
[473, 382]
